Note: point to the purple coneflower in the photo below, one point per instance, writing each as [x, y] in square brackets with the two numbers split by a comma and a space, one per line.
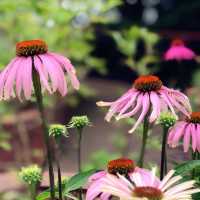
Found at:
[178, 51]
[150, 97]
[188, 130]
[140, 188]
[123, 166]
[32, 56]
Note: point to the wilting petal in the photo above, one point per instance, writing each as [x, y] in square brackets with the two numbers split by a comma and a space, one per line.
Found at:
[145, 109]
[186, 139]
[68, 67]
[40, 69]
[135, 109]
[155, 102]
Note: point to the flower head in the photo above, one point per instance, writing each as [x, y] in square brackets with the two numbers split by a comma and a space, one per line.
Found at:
[33, 55]
[150, 97]
[31, 175]
[141, 188]
[56, 130]
[167, 119]
[79, 122]
[187, 130]
[121, 166]
[178, 51]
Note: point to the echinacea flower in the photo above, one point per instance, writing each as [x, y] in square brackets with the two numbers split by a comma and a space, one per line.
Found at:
[140, 188]
[187, 130]
[34, 55]
[150, 96]
[123, 166]
[178, 51]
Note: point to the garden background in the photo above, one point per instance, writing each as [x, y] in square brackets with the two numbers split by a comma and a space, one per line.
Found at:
[110, 43]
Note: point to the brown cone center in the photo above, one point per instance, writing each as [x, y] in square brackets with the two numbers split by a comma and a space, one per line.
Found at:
[31, 48]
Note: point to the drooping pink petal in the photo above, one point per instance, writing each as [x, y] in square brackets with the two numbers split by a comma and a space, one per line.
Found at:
[51, 70]
[167, 101]
[135, 109]
[186, 139]
[62, 83]
[96, 176]
[3, 75]
[26, 78]
[145, 109]
[68, 67]
[194, 139]
[178, 133]
[129, 104]
[155, 102]
[198, 137]
[40, 69]
[10, 79]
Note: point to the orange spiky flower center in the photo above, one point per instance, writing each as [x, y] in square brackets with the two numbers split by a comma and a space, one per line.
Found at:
[150, 193]
[194, 118]
[31, 48]
[122, 166]
[148, 83]
[177, 42]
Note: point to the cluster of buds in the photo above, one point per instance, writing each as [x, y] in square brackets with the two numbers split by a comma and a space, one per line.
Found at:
[79, 122]
[57, 130]
[167, 119]
[31, 174]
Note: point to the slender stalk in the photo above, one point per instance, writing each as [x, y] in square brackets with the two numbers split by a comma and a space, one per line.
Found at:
[163, 165]
[144, 142]
[32, 189]
[79, 158]
[38, 94]
[195, 156]
[59, 174]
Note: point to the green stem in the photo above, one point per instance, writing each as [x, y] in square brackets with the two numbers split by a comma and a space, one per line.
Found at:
[58, 170]
[38, 94]
[79, 158]
[195, 156]
[144, 142]
[32, 189]
[163, 165]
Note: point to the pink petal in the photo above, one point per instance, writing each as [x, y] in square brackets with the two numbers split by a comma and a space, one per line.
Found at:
[186, 139]
[135, 109]
[27, 77]
[40, 69]
[10, 79]
[194, 137]
[145, 109]
[68, 67]
[155, 102]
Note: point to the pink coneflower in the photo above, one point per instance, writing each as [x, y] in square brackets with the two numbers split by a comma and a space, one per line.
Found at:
[140, 188]
[178, 51]
[34, 55]
[150, 96]
[123, 166]
[188, 130]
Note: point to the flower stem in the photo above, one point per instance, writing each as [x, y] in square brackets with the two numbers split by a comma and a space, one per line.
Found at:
[32, 189]
[38, 94]
[79, 158]
[58, 171]
[163, 165]
[144, 142]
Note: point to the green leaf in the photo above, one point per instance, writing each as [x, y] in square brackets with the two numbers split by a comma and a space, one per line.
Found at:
[77, 181]
[187, 167]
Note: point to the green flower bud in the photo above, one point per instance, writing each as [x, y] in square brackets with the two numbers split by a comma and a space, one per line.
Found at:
[56, 130]
[31, 174]
[79, 122]
[167, 119]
